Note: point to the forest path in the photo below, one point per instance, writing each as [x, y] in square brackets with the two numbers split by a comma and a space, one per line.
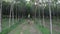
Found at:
[26, 28]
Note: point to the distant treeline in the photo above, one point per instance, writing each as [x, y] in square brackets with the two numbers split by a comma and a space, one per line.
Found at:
[22, 10]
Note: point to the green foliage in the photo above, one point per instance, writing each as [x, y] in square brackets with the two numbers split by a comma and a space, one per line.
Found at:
[42, 28]
[7, 30]
[24, 9]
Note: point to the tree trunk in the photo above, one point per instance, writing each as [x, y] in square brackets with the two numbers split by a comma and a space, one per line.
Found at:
[0, 15]
[43, 13]
[16, 13]
[11, 12]
[50, 17]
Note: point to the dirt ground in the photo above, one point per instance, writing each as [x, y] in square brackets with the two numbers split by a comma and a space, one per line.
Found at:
[28, 28]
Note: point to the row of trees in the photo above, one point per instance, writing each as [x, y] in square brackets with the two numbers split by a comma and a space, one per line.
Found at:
[23, 9]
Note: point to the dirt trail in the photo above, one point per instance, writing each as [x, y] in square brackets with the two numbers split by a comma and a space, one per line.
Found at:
[26, 29]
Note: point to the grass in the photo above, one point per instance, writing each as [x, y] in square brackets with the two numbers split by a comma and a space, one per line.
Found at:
[6, 29]
[42, 28]
[45, 30]
[38, 26]
[54, 22]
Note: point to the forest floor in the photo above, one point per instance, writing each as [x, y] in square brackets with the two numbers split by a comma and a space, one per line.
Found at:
[26, 28]
[31, 28]
[55, 25]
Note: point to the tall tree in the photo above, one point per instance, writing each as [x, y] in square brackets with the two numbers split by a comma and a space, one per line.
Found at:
[11, 12]
[0, 15]
[43, 12]
[49, 3]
